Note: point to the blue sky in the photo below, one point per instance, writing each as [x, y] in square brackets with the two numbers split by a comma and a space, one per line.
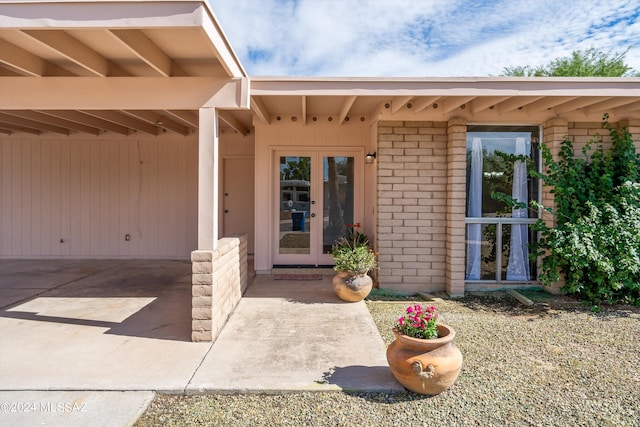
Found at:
[429, 38]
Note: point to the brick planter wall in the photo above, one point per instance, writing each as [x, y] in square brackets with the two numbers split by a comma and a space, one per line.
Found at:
[219, 278]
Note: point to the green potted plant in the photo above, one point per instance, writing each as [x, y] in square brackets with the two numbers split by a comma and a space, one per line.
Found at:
[423, 358]
[354, 258]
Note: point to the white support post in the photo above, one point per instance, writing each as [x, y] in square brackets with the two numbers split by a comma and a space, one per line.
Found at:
[208, 179]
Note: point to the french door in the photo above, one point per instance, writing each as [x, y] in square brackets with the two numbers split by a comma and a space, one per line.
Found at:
[317, 196]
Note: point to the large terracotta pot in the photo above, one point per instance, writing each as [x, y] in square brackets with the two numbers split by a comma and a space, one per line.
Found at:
[425, 366]
[350, 287]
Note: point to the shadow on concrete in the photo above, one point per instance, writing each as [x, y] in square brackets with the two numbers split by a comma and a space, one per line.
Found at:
[149, 299]
[294, 291]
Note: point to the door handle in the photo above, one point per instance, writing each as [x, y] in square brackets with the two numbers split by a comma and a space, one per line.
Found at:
[313, 215]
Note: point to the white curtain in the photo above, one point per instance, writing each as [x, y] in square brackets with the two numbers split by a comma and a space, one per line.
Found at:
[518, 268]
[474, 231]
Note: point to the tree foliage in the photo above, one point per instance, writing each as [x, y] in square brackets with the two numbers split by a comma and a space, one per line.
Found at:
[588, 63]
[596, 241]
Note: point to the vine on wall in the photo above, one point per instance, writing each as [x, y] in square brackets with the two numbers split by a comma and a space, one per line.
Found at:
[595, 242]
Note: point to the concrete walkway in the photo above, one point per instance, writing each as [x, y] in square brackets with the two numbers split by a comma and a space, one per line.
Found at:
[91, 328]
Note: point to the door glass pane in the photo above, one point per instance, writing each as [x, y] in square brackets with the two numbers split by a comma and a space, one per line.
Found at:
[295, 202]
[337, 196]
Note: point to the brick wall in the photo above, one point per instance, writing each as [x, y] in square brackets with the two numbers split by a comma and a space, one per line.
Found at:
[412, 205]
[219, 278]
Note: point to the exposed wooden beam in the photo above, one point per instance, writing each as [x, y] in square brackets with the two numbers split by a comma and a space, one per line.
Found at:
[186, 116]
[45, 118]
[454, 102]
[577, 103]
[77, 116]
[303, 100]
[375, 114]
[260, 109]
[123, 120]
[6, 118]
[547, 103]
[423, 102]
[158, 120]
[621, 111]
[145, 49]
[346, 107]
[119, 93]
[234, 123]
[610, 104]
[13, 127]
[398, 102]
[21, 60]
[515, 103]
[5, 131]
[484, 103]
[72, 49]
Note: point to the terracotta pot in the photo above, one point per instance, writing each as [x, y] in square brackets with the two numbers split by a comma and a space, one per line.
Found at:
[425, 366]
[351, 287]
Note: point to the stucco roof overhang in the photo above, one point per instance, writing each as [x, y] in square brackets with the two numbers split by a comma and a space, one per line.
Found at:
[478, 99]
[119, 66]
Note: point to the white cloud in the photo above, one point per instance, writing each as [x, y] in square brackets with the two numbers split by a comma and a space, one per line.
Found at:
[421, 37]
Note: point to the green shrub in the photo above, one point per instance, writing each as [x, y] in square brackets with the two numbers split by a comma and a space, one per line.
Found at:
[596, 240]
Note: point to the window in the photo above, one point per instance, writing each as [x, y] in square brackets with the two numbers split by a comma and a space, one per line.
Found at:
[498, 236]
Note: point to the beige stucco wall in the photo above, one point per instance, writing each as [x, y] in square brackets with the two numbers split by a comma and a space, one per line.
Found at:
[91, 191]
[287, 134]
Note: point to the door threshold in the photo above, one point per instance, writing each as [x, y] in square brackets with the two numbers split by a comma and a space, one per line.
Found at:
[296, 269]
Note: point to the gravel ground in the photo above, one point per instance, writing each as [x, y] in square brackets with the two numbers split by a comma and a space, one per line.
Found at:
[553, 364]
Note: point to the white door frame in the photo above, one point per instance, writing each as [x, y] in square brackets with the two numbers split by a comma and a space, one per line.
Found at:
[317, 154]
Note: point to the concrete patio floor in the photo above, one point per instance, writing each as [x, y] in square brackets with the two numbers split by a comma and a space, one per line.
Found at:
[116, 325]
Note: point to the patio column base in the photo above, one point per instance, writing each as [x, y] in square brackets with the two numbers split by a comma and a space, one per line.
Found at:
[219, 278]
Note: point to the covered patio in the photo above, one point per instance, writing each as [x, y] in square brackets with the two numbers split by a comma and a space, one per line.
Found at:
[126, 325]
[111, 120]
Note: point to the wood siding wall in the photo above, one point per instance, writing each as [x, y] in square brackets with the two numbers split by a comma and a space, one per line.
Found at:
[78, 197]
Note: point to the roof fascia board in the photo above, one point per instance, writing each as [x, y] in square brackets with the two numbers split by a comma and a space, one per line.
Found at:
[100, 14]
[628, 87]
[129, 14]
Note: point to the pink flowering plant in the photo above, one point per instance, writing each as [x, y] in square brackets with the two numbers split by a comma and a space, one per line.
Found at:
[418, 322]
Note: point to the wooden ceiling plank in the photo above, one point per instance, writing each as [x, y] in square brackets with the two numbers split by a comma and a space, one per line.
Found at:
[123, 120]
[79, 117]
[145, 49]
[484, 103]
[620, 111]
[20, 121]
[398, 102]
[234, 123]
[346, 107]
[19, 59]
[5, 131]
[186, 116]
[423, 102]
[455, 102]
[516, 103]
[578, 103]
[159, 120]
[610, 104]
[260, 109]
[547, 103]
[45, 118]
